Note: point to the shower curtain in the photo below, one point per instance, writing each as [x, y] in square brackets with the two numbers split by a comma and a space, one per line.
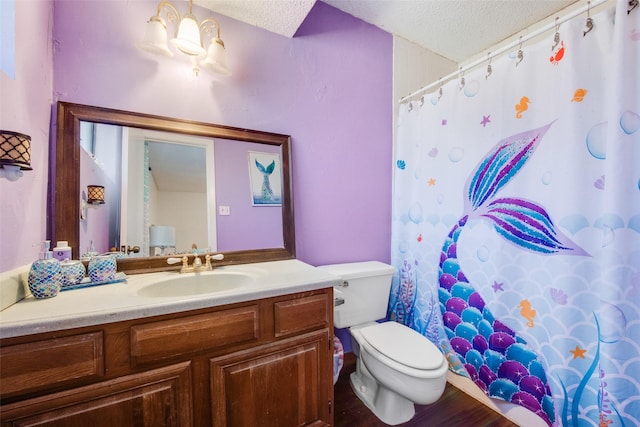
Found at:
[516, 222]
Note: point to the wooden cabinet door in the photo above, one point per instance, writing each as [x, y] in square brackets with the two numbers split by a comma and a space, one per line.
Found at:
[157, 398]
[284, 384]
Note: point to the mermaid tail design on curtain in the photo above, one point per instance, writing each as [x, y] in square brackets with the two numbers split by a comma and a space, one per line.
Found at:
[495, 357]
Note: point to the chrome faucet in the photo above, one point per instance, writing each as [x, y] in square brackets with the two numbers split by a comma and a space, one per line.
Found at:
[197, 262]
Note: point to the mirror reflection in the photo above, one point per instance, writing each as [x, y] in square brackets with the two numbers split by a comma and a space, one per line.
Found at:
[170, 187]
[162, 189]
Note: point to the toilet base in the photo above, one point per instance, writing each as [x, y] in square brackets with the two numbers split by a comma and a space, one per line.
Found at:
[388, 406]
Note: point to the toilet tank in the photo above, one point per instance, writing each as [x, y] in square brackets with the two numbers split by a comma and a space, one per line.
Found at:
[365, 291]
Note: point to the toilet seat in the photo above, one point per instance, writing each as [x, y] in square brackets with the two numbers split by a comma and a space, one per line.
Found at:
[402, 348]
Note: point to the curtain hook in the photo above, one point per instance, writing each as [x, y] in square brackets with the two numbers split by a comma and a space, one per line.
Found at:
[489, 69]
[440, 92]
[589, 20]
[520, 53]
[462, 82]
[422, 100]
[556, 36]
[632, 5]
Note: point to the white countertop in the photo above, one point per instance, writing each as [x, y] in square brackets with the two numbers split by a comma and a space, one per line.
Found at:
[122, 301]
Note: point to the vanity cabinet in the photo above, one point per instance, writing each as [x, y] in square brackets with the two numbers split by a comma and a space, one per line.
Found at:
[267, 362]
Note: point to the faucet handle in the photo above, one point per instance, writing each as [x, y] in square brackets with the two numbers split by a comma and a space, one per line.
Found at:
[209, 257]
[185, 263]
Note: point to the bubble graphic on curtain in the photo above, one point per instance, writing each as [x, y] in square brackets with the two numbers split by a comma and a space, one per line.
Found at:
[596, 141]
[415, 213]
[456, 154]
[629, 122]
[482, 253]
[634, 222]
[613, 322]
[472, 88]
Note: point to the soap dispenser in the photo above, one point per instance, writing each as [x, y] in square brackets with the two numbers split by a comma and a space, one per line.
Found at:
[45, 277]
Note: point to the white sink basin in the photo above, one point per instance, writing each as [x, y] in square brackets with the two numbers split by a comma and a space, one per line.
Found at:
[209, 282]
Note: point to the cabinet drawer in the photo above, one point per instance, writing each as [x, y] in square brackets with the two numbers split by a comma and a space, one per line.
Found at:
[47, 363]
[300, 314]
[176, 338]
[156, 398]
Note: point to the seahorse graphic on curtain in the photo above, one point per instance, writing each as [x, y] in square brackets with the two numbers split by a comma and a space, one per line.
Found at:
[495, 357]
[267, 192]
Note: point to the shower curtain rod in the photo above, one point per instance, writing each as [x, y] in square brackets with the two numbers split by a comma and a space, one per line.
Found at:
[590, 5]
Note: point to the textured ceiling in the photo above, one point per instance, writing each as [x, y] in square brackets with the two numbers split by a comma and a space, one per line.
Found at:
[455, 29]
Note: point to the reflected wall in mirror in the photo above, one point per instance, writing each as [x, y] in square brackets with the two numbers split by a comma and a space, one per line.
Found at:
[192, 178]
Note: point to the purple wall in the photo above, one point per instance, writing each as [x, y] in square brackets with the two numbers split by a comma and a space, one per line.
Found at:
[330, 88]
[248, 226]
[25, 106]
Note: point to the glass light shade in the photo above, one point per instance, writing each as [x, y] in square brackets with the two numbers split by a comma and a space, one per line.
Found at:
[216, 59]
[187, 40]
[11, 172]
[155, 37]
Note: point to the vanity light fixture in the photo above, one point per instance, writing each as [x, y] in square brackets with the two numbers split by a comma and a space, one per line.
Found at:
[15, 154]
[188, 38]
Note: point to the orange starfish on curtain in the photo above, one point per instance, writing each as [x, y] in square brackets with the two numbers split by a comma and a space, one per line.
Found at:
[578, 352]
[431, 182]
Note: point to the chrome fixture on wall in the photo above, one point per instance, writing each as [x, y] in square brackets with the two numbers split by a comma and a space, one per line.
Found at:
[15, 154]
[188, 40]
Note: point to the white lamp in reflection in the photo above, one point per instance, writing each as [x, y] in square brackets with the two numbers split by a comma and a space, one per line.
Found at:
[162, 236]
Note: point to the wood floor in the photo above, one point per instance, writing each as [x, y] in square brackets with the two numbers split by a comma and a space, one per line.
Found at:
[455, 408]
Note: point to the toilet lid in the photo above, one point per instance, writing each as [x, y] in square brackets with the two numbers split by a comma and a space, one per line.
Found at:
[403, 345]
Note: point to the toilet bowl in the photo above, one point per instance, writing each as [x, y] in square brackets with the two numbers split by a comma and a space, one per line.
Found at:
[396, 366]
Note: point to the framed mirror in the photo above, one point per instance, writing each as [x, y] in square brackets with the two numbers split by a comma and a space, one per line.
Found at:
[246, 188]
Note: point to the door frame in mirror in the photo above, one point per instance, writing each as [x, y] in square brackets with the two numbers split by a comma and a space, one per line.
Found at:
[65, 224]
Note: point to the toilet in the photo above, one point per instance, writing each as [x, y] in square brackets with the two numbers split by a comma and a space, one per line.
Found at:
[396, 367]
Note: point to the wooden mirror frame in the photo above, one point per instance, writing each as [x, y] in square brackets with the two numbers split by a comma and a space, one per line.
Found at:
[66, 208]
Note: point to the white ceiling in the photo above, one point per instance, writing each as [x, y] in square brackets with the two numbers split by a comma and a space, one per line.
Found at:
[177, 167]
[455, 29]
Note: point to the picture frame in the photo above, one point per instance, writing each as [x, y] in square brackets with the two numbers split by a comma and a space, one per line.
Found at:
[266, 178]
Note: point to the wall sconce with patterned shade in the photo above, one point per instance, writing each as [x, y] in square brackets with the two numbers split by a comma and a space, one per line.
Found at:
[188, 38]
[95, 194]
[15, 154]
